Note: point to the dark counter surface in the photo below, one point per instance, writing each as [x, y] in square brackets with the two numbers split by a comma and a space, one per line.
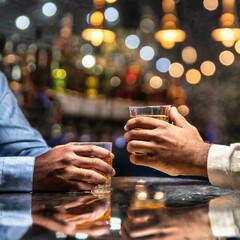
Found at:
[137, 208]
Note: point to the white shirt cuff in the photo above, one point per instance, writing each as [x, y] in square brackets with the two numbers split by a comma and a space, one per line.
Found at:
[218, 165]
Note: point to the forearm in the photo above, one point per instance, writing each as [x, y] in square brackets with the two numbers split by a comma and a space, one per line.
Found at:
[200, 156]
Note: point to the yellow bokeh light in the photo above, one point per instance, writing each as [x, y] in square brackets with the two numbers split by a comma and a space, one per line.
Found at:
[170, 35]
[96, 18]
[92, 82]
[59, 73]
[189, 55]
[237, 46]
[183, 109]
[226, 58]
[168, 5]
[210, 5]
[156, 82]
[97, 37]
[110, 1]
[227, 19]
[193, 76]
[168, 45]
[176, 69]
[228, 43]
[227, 34]
[208, 68]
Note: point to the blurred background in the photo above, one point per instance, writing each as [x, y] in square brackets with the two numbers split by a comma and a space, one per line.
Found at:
[75, 66]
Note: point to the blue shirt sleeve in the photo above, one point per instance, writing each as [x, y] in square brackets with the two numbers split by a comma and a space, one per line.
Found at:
[19, 143]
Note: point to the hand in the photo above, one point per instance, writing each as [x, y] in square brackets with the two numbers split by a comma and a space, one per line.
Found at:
[70, 168]
[72, 214]
[167, 223]
[176, 149]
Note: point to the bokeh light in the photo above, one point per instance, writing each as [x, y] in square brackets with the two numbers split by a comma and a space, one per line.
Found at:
[210, 5]
[115, 81]
[183, 109]
[163, 65]
[193, 76]
[226, 58]
[208, 68]
[22, 22]
[88, 61]
[96, 18]
[49, 9]
[189, 55]
[111, 14]
[86, 49]
[147, 53]
[156, 82]
[120, 142]
[132, 41]
[176, 70]
[147, 25]
[237, 46]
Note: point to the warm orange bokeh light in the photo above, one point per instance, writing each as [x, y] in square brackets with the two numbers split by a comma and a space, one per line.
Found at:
[193, 76]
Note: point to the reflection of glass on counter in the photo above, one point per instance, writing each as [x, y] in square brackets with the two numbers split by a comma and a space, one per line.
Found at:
[220, 218]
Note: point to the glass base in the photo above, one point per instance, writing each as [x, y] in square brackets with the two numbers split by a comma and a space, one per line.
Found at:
[102, 189]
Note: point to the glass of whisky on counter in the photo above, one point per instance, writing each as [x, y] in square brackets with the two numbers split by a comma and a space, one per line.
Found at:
[158, 111]
[102, 189]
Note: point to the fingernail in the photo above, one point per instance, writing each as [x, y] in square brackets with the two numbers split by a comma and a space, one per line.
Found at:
[125, 127]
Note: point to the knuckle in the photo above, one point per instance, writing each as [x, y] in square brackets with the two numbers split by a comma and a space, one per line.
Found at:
[140, 120]
[92, 149]
[94, 161]
[67, 158]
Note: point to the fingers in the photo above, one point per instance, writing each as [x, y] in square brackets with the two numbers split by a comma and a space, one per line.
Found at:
[95, 163]
[141, 159]
[96, 157]
[91, 150]
[137, 146]
[75, 174]
[144, 122]
[178, 119]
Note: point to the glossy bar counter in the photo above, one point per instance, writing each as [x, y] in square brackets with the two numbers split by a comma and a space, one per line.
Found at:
[137, 208]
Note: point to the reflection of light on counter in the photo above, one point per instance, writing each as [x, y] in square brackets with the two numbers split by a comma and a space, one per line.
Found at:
[141, 181]
[158, 195]
[142, 195]
[61, 235]
[115, 223]
[141, 192]
[81, 236]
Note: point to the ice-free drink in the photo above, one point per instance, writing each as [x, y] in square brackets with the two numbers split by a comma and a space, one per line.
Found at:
[159, 111]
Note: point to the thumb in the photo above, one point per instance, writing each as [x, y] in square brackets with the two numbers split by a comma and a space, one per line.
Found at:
[177, 118]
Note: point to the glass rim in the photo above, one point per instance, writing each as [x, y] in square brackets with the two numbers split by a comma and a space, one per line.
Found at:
[93, 143]
[150, 106]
